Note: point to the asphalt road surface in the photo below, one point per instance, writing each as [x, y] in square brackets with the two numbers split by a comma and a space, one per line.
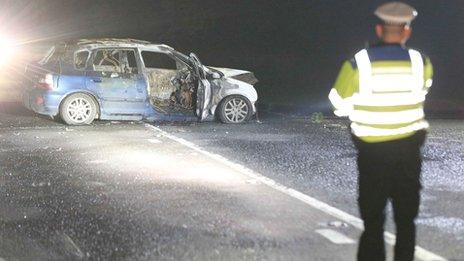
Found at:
[204, 191]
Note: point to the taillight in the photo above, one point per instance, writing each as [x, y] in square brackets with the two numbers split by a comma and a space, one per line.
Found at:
[45, 83]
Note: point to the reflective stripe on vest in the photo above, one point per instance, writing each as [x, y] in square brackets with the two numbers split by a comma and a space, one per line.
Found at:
[343, 106]
[365, 131]
[388, 98]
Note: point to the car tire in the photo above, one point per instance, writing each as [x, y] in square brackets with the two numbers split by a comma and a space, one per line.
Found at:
[235, 109]
[78, 109]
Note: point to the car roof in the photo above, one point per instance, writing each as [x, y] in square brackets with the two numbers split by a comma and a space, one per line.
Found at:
[116, 42]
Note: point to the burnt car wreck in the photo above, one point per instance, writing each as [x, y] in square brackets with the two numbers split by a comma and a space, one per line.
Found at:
[126, 79]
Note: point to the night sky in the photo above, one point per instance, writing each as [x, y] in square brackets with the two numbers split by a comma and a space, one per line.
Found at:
[295, 47]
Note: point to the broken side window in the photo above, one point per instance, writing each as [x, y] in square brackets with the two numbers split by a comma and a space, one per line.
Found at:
[107, 60]
[158, 60]
[115, 60]
[80, 59]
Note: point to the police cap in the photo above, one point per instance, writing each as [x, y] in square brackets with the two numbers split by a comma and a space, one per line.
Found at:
[396, 13]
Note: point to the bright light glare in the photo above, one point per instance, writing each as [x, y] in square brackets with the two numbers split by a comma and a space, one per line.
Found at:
[7, 50]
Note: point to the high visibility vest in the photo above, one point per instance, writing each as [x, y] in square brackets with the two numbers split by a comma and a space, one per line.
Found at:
[389, 101]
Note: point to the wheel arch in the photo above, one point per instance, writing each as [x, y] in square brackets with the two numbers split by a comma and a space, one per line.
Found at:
[93, 96]
[218, 114]
[217, 105]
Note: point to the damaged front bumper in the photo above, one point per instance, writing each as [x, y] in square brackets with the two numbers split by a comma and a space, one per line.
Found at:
[241, 75]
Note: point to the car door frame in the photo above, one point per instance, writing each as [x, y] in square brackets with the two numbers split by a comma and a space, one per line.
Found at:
[204, 94]
[116, 105]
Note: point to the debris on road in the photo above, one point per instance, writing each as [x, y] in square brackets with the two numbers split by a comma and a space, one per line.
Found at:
[337, 224]
[317, 117]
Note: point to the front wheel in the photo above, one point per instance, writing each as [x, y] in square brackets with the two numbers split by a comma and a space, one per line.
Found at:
[78, 109]
[235, 109]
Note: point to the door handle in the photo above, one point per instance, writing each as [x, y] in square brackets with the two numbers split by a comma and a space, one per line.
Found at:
[96, 80]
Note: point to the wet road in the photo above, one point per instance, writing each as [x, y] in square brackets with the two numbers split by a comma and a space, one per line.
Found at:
[127, 191]
[318, 159]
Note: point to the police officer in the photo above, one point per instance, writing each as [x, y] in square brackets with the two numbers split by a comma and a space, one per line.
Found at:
[382, 90]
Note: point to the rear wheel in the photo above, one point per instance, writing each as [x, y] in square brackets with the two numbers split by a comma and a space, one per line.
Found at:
[78, 109]
[235, 109]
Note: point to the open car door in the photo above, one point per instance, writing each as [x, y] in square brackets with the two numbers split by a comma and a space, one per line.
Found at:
[203, 89]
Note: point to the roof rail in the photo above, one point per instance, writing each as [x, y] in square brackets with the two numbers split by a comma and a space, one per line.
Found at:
[110, 40]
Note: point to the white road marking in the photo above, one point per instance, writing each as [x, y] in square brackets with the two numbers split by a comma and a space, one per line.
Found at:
[334, 236]
[97, 161]
[70, 245]
[420, 253]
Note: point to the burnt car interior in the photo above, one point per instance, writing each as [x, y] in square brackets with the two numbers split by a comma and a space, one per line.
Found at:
[172, 85]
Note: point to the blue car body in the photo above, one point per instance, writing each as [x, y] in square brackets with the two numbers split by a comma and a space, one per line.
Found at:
[123, 97]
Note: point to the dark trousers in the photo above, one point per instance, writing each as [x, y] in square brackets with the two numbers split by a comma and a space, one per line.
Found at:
[389, 171]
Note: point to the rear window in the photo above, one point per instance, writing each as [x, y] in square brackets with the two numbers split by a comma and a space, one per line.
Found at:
[158, 60]
[53, 55]
[57, 53]
[47, 56]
